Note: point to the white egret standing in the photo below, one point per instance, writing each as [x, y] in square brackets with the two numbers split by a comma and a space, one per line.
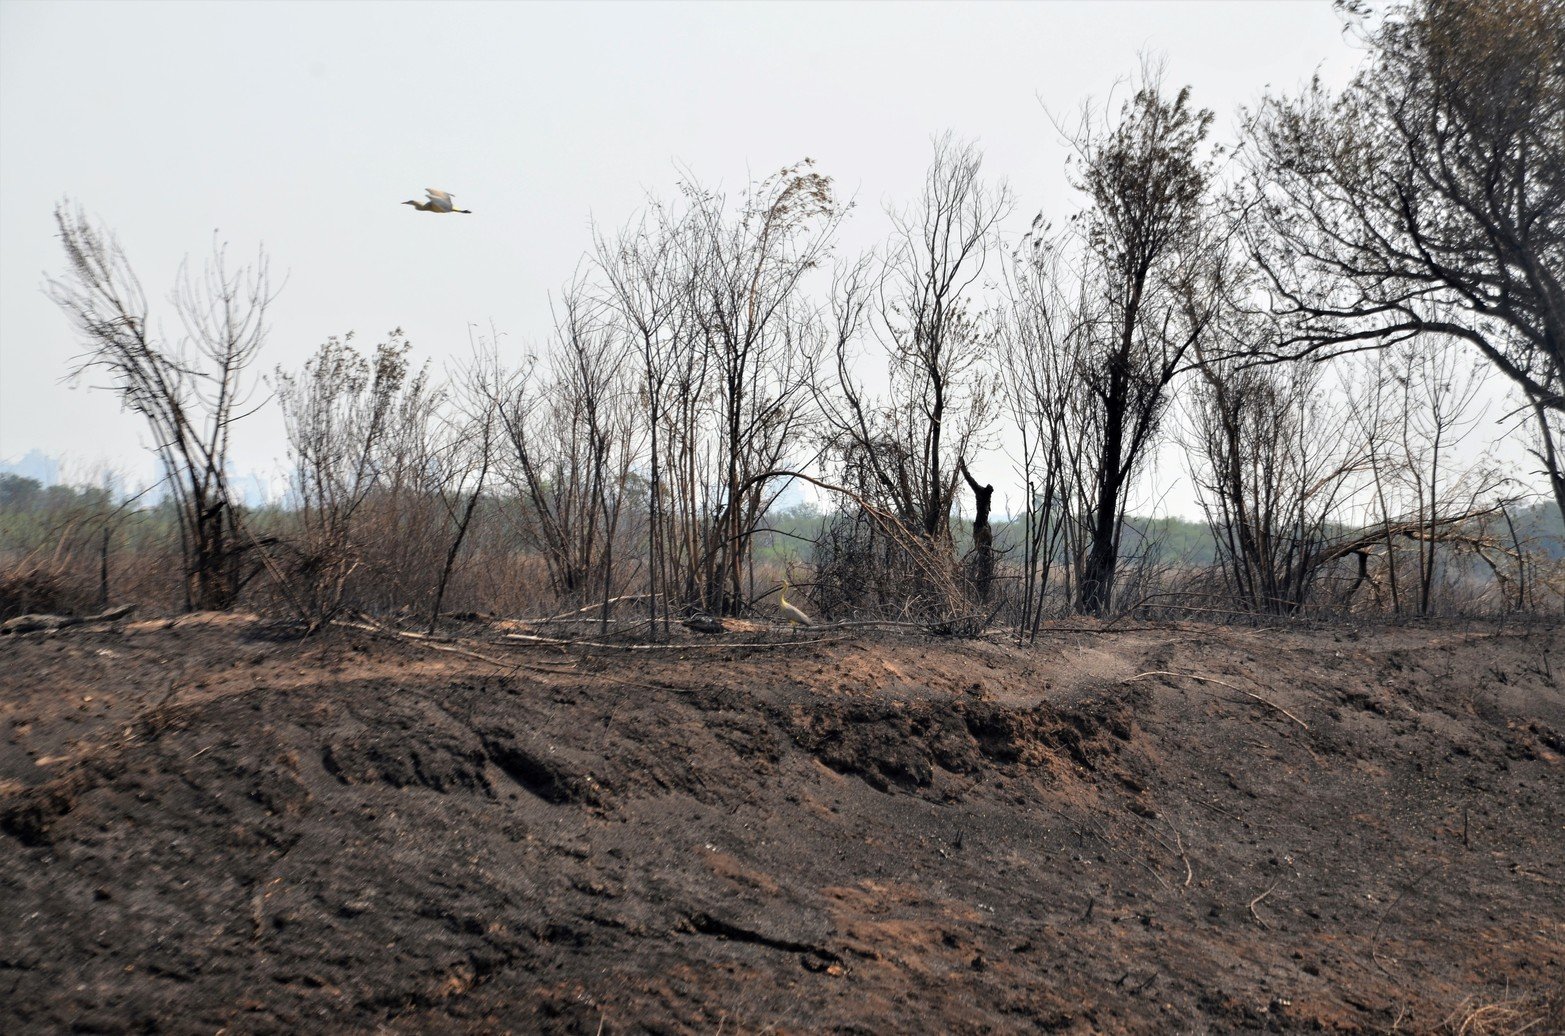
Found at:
[791, 613]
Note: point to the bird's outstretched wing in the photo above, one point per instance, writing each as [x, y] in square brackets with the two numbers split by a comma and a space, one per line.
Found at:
[439, 199]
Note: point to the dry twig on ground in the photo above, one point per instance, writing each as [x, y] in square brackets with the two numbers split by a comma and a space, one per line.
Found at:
[1220, 683]
[1257, 900]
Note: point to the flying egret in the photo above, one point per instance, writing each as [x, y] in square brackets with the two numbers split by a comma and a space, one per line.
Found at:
[439, 201]
[791, 613]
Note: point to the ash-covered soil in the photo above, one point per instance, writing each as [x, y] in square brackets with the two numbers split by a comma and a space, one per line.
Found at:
[212, 825]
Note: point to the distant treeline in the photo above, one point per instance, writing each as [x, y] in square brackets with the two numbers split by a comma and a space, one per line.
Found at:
[101, 545]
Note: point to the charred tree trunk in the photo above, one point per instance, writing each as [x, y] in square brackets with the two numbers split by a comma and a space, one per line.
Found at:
[982, 570]
[1097, 578]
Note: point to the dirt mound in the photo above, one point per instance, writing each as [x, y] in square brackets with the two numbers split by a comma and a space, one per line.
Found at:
[894, 746]
[212, 826]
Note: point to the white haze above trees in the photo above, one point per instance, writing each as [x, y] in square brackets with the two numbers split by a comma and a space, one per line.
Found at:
[317, 119]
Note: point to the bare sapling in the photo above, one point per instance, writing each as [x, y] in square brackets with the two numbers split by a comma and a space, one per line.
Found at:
[191, 391]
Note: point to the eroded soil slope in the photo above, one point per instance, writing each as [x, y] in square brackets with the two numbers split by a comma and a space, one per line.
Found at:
[212, 825]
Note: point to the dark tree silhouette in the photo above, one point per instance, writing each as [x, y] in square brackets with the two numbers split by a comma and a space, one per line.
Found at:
[1427, 198]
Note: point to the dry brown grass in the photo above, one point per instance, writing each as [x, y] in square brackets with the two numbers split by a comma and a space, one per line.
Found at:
[26, 589]
[1511, 1016]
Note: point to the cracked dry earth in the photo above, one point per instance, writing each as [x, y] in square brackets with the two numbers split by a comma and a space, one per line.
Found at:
[210, 825]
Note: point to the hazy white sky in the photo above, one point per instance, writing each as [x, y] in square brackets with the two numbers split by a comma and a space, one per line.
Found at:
[302, 126]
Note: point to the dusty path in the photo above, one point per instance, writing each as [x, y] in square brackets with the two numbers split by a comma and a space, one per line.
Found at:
[214, 826]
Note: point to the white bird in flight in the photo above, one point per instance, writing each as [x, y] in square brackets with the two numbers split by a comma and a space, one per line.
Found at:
[439, 201]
